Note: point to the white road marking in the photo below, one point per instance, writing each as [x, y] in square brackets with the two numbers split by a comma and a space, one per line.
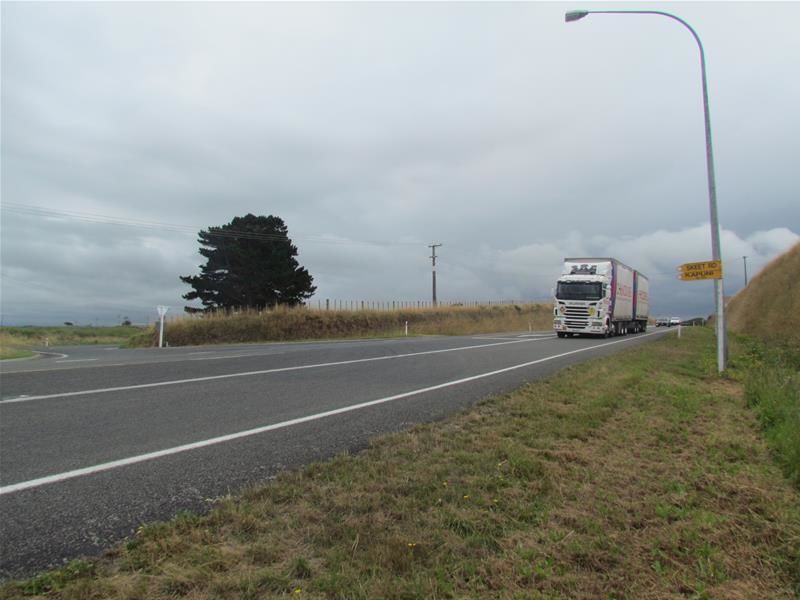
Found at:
[114, 464]
[203, 352]
[73, 360]
[223, 357]
[56, 354]
[251, 373]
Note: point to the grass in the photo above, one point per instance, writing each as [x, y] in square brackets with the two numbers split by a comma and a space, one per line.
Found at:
[648, 479]
[286, 324]
[766, 314]
[16, 342]
[769, 307]
[772, 389]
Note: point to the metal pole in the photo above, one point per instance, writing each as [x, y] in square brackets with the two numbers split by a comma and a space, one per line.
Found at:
[744, 258]
[433, 247]
[719, 294]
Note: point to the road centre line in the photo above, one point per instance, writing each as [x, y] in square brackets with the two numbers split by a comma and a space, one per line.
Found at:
[251, 373]
[114, 464]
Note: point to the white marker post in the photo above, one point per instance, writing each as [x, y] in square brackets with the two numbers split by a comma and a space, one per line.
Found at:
[162, 310]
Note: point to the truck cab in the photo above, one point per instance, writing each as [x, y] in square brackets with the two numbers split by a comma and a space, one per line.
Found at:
[583, 299]
[599, 296]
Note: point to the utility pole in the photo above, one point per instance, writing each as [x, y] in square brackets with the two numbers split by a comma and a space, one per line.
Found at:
[433, 248]
[744, 258]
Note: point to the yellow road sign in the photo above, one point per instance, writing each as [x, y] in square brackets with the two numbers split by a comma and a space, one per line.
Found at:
[708, 269]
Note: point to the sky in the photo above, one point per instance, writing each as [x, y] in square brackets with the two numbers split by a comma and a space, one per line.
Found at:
[373, 130]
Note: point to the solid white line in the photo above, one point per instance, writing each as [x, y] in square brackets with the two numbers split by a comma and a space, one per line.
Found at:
[25, 485]
[72, 360]
[251, 373]
[54, 354]
[223, 357]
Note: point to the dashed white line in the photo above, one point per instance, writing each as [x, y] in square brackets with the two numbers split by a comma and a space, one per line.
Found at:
[114, 464]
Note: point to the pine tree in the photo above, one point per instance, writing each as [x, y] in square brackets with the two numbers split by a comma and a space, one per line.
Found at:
[250, 263]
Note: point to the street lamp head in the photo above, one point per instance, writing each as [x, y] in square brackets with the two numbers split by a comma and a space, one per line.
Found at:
[574, 15]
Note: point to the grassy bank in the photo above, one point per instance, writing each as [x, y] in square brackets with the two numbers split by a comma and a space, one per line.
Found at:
[647, 480]
[770, 372]
[17, 341]
[285, 324]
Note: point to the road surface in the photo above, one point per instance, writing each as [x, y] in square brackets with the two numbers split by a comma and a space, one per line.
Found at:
[95, 441]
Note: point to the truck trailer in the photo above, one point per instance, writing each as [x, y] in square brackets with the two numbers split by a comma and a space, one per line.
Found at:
[600, 296]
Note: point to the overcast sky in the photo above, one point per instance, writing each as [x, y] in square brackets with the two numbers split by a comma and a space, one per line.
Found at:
[375, 129]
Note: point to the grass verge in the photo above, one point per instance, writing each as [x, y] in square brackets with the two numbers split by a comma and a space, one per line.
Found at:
[636, 476]
[12, 347]
[22, 338]
[291, 324]
[771, 376]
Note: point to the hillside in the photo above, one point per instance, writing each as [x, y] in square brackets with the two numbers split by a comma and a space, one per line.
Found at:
[769, 307]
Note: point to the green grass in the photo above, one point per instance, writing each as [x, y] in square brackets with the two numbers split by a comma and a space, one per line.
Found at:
[771, 376]
[69, 335]
[648, 479]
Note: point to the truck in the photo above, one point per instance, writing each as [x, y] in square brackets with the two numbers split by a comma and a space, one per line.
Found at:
[600, 297]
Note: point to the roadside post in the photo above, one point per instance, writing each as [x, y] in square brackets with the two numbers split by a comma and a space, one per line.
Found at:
[162, 310]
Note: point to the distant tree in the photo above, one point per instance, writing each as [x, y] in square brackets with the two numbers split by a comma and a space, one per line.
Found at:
[250, 262]
[126, 322]
[68, 323]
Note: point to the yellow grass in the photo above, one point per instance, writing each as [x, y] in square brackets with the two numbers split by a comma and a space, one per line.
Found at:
[769, 307]
[285, 324]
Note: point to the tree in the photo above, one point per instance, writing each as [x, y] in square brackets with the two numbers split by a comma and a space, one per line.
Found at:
[250, 262]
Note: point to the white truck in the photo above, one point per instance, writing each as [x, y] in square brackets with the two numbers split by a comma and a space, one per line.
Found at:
[600, 296]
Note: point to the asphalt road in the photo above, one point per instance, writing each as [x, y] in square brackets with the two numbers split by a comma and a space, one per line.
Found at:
[95, 441]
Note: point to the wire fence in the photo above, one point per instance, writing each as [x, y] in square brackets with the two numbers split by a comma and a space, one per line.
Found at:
[389, 305]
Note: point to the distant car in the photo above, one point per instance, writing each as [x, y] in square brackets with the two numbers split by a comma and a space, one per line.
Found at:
[662, 322]
[674, 321]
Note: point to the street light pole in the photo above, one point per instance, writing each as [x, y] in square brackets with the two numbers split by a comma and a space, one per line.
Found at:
[719, 294]
[744, 258]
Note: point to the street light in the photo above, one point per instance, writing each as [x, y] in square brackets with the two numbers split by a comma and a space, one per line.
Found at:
[744, 258]
[719, 294]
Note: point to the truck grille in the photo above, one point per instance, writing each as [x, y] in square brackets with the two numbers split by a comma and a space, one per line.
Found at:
[577, 317]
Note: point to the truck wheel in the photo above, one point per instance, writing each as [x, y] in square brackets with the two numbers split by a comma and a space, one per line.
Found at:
[560, 334]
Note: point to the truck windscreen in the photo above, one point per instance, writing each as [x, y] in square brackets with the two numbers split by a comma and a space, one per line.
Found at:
[576, 290]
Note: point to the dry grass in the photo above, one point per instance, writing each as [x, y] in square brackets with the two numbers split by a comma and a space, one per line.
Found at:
[648, 480]
[769, 307]
[13, 347]
[35, 336]
[285, 324]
